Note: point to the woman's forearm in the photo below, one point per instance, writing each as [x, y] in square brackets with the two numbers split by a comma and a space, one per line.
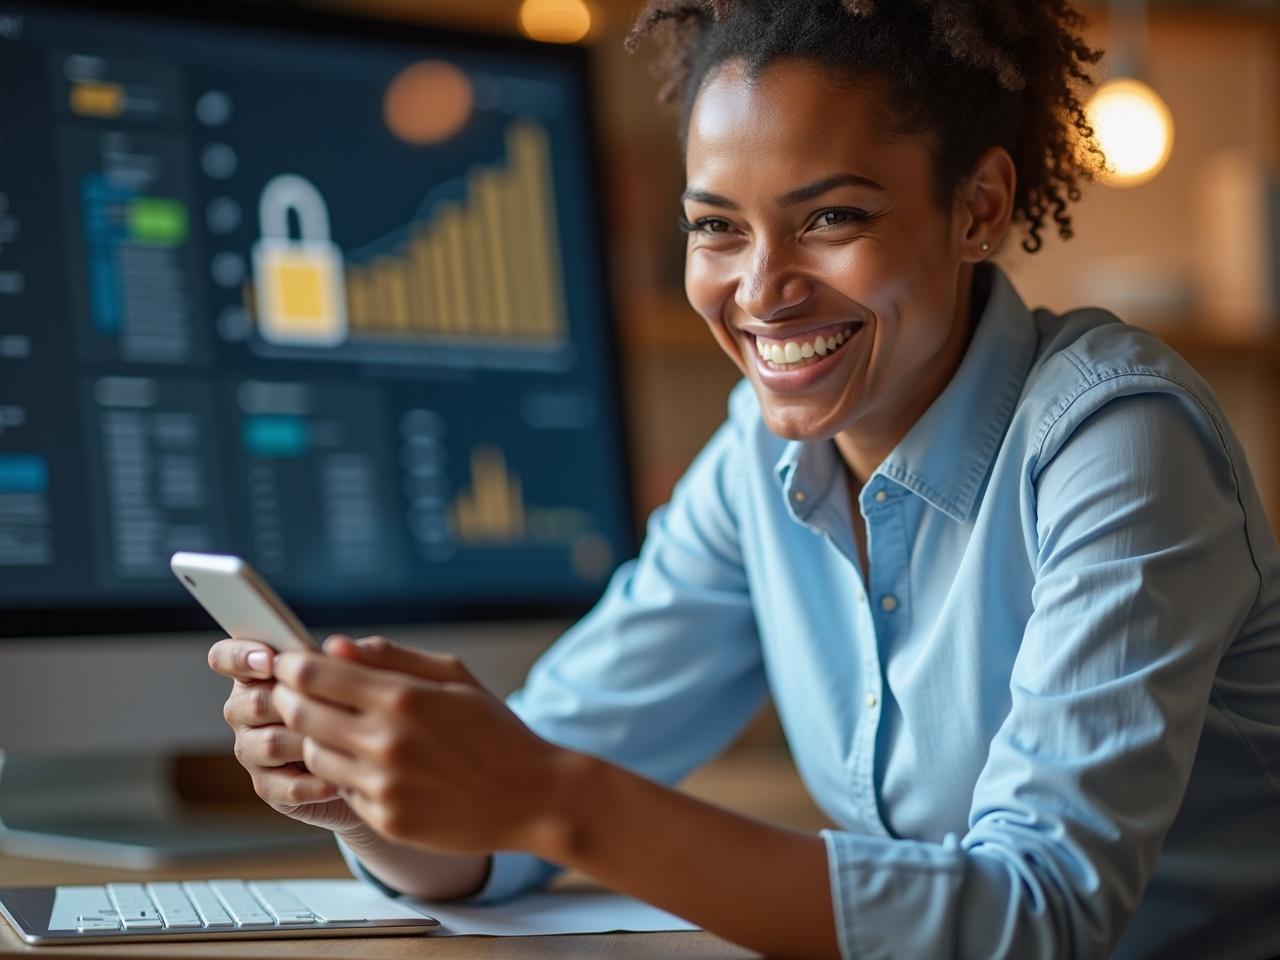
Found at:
[761, 886]
[415, 872]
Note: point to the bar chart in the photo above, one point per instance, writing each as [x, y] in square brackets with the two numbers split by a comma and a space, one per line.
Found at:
[485, 268]
[480, 269]
[493, 511]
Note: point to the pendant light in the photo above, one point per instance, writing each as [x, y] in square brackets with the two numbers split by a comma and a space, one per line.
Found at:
[1131, 122]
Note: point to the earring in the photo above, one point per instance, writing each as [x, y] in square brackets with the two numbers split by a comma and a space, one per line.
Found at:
[984, 246]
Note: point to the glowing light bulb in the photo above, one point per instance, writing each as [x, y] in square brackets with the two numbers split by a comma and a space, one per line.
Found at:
[555, 21]
[1134, 129]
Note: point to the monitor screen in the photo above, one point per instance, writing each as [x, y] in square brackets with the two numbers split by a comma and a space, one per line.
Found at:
[324, 293]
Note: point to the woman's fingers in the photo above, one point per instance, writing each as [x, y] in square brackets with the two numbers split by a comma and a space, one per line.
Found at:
[368, 791]
[330, 725]
[381, 653]
[241, 659]
[274, 745]
[336, 680]
[335, 767]
[291, 787]
[249, 705]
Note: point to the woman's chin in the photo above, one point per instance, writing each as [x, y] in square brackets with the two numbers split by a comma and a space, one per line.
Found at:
[802, 425]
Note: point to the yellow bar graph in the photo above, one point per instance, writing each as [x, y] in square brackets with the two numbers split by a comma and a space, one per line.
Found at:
[479, 268]
[489, 190]
[492, 511]
[485, 268]
[394, 281]
[456, 248]
[360, 311]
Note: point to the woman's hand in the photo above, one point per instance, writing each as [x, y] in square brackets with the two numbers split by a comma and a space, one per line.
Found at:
[270, 751]
[419, 749]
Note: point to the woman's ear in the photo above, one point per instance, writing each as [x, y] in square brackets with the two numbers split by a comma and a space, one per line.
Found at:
[985, 205]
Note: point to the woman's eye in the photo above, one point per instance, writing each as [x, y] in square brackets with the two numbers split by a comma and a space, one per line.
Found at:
[704, 225]
[835, 218]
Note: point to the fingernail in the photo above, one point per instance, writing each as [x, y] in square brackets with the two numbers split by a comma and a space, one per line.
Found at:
[259, 662]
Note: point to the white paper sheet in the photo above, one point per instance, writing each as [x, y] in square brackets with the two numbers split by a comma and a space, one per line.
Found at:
[544, 914]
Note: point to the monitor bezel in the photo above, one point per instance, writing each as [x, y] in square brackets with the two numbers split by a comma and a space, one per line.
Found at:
[70, 621]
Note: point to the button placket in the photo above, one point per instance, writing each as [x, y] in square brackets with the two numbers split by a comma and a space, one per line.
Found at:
[882, 513]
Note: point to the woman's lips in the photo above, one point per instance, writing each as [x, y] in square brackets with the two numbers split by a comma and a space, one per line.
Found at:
[795, 363]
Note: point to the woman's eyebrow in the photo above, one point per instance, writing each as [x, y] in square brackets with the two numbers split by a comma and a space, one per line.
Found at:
[711, 199]
[819, 187]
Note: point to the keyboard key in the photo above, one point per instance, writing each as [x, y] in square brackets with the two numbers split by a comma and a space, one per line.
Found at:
[208, 906]
[243, 906]
[281, 903]
[92, 924]
[135, 908]
[175, 909]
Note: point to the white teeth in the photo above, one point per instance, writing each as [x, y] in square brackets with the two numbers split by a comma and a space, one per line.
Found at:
[793, 351]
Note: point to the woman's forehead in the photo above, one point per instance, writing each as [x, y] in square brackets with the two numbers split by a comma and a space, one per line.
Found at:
[792, 122]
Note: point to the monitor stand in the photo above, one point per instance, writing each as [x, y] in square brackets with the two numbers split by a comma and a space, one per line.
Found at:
[121, 810]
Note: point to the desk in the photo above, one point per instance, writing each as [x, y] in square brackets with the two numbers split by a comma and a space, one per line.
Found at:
[760, 782]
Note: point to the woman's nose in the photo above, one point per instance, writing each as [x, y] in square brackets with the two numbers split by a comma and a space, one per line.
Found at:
[770, 287]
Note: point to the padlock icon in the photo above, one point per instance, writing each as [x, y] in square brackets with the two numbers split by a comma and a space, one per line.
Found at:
[299, 289]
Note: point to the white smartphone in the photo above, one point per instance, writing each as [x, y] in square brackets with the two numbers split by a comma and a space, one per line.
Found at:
[240, 600]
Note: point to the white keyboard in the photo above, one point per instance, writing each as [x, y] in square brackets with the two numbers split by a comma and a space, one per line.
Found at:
[206, 908]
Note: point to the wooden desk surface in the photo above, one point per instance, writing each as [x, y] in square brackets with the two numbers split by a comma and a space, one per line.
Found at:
[760, 782]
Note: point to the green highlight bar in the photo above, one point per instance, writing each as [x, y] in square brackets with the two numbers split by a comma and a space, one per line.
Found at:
[276, 436]
[159, 221]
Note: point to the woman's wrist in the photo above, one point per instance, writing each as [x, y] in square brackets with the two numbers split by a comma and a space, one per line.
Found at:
[561, 827]
[360, 837]
[414, 871]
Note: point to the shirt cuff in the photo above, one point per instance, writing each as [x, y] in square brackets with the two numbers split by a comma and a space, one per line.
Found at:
[359, 872]
[893, 897]
[510, 873]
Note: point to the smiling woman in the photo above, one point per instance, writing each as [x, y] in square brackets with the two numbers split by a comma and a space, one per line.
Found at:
[1005, 573]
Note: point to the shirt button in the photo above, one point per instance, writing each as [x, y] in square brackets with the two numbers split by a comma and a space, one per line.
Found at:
[871, 701]
[888, 603]
[881, 496]
[799, 495]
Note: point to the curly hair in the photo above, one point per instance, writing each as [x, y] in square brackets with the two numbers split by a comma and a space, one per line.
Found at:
[968, 74]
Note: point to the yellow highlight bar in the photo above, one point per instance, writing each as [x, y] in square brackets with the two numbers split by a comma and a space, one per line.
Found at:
[97, 99]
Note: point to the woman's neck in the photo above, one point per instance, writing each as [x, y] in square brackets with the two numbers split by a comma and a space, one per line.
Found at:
[864, 446]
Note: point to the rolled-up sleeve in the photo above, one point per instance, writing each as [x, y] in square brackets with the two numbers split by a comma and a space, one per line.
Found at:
[1143, 573]
[666, 670]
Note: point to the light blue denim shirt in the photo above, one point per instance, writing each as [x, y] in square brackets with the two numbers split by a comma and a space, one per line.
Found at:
[1047, 722]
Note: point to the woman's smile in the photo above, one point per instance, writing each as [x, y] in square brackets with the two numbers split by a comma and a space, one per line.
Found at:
[797, 361]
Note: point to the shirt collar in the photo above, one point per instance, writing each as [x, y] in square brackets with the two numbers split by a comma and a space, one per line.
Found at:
[946, 454]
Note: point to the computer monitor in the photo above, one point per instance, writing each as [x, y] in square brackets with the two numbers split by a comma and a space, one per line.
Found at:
[323, 292]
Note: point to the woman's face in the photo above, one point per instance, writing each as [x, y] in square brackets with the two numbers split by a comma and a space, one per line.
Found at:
[818, 257]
